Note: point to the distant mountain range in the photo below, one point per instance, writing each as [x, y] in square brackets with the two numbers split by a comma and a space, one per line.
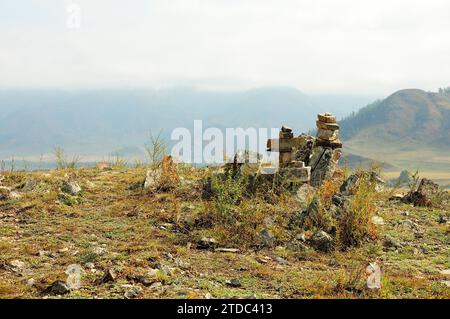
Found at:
[100, 122]
[409, 129]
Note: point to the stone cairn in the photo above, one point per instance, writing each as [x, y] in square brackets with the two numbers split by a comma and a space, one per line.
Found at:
[307, 158]
[326, 151]
[289, 165]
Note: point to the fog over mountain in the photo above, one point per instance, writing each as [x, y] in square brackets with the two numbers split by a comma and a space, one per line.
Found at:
[96, 123]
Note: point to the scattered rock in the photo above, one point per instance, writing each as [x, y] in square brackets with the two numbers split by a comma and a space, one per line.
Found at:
[31, 282]
[281, 260]
[109, 276]
[57, 288]
[132, 292]
[374, 276]
[443, 219]
[322, 241]
[156, 286]
[234, 283]
[409, 224]
[73, 280]
[207, 243]
[4, 193]
[267, 238]
[16, 266]
[246, 162]
[152, 179]
[89, 265]
[99, 250]
[71, 188]
[63, 250]
[390, 242]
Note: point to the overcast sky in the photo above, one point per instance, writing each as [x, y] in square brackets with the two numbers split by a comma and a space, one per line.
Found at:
[320, 46]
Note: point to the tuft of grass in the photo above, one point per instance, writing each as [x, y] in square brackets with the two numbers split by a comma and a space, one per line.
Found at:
[62, 161]
[227, 192]
[355, 223]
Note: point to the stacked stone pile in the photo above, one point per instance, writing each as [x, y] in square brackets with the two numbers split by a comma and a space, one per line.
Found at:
[326, 150]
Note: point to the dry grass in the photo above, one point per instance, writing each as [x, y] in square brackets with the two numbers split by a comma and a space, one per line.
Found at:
[141, 230]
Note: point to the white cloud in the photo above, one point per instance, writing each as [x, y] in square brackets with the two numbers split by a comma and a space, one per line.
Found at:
[349, 46]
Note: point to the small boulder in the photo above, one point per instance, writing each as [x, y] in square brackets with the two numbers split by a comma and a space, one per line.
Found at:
[99, 250]
[374, 276]
[207, 243]
[16, 266]
[73, 280]
[234, 283]
[71, 188]
[5, 193]
[58, 287]
[267, 238]
[390, 242]
[132, 292]
[322, 241]
[108, 276]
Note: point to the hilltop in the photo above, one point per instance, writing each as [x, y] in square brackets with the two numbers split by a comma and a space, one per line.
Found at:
[410, 129]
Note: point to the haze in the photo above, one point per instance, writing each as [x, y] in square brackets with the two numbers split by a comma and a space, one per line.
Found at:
[336, 47]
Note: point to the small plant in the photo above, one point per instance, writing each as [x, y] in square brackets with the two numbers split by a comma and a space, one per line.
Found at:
[355, 223]
[13, 164]
[117, 161]
[228, 192]
[61, 159]
[67, 199]
[414, 182]
[156, 150]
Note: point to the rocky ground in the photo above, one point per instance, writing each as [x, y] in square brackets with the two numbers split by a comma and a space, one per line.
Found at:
[97, 233]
